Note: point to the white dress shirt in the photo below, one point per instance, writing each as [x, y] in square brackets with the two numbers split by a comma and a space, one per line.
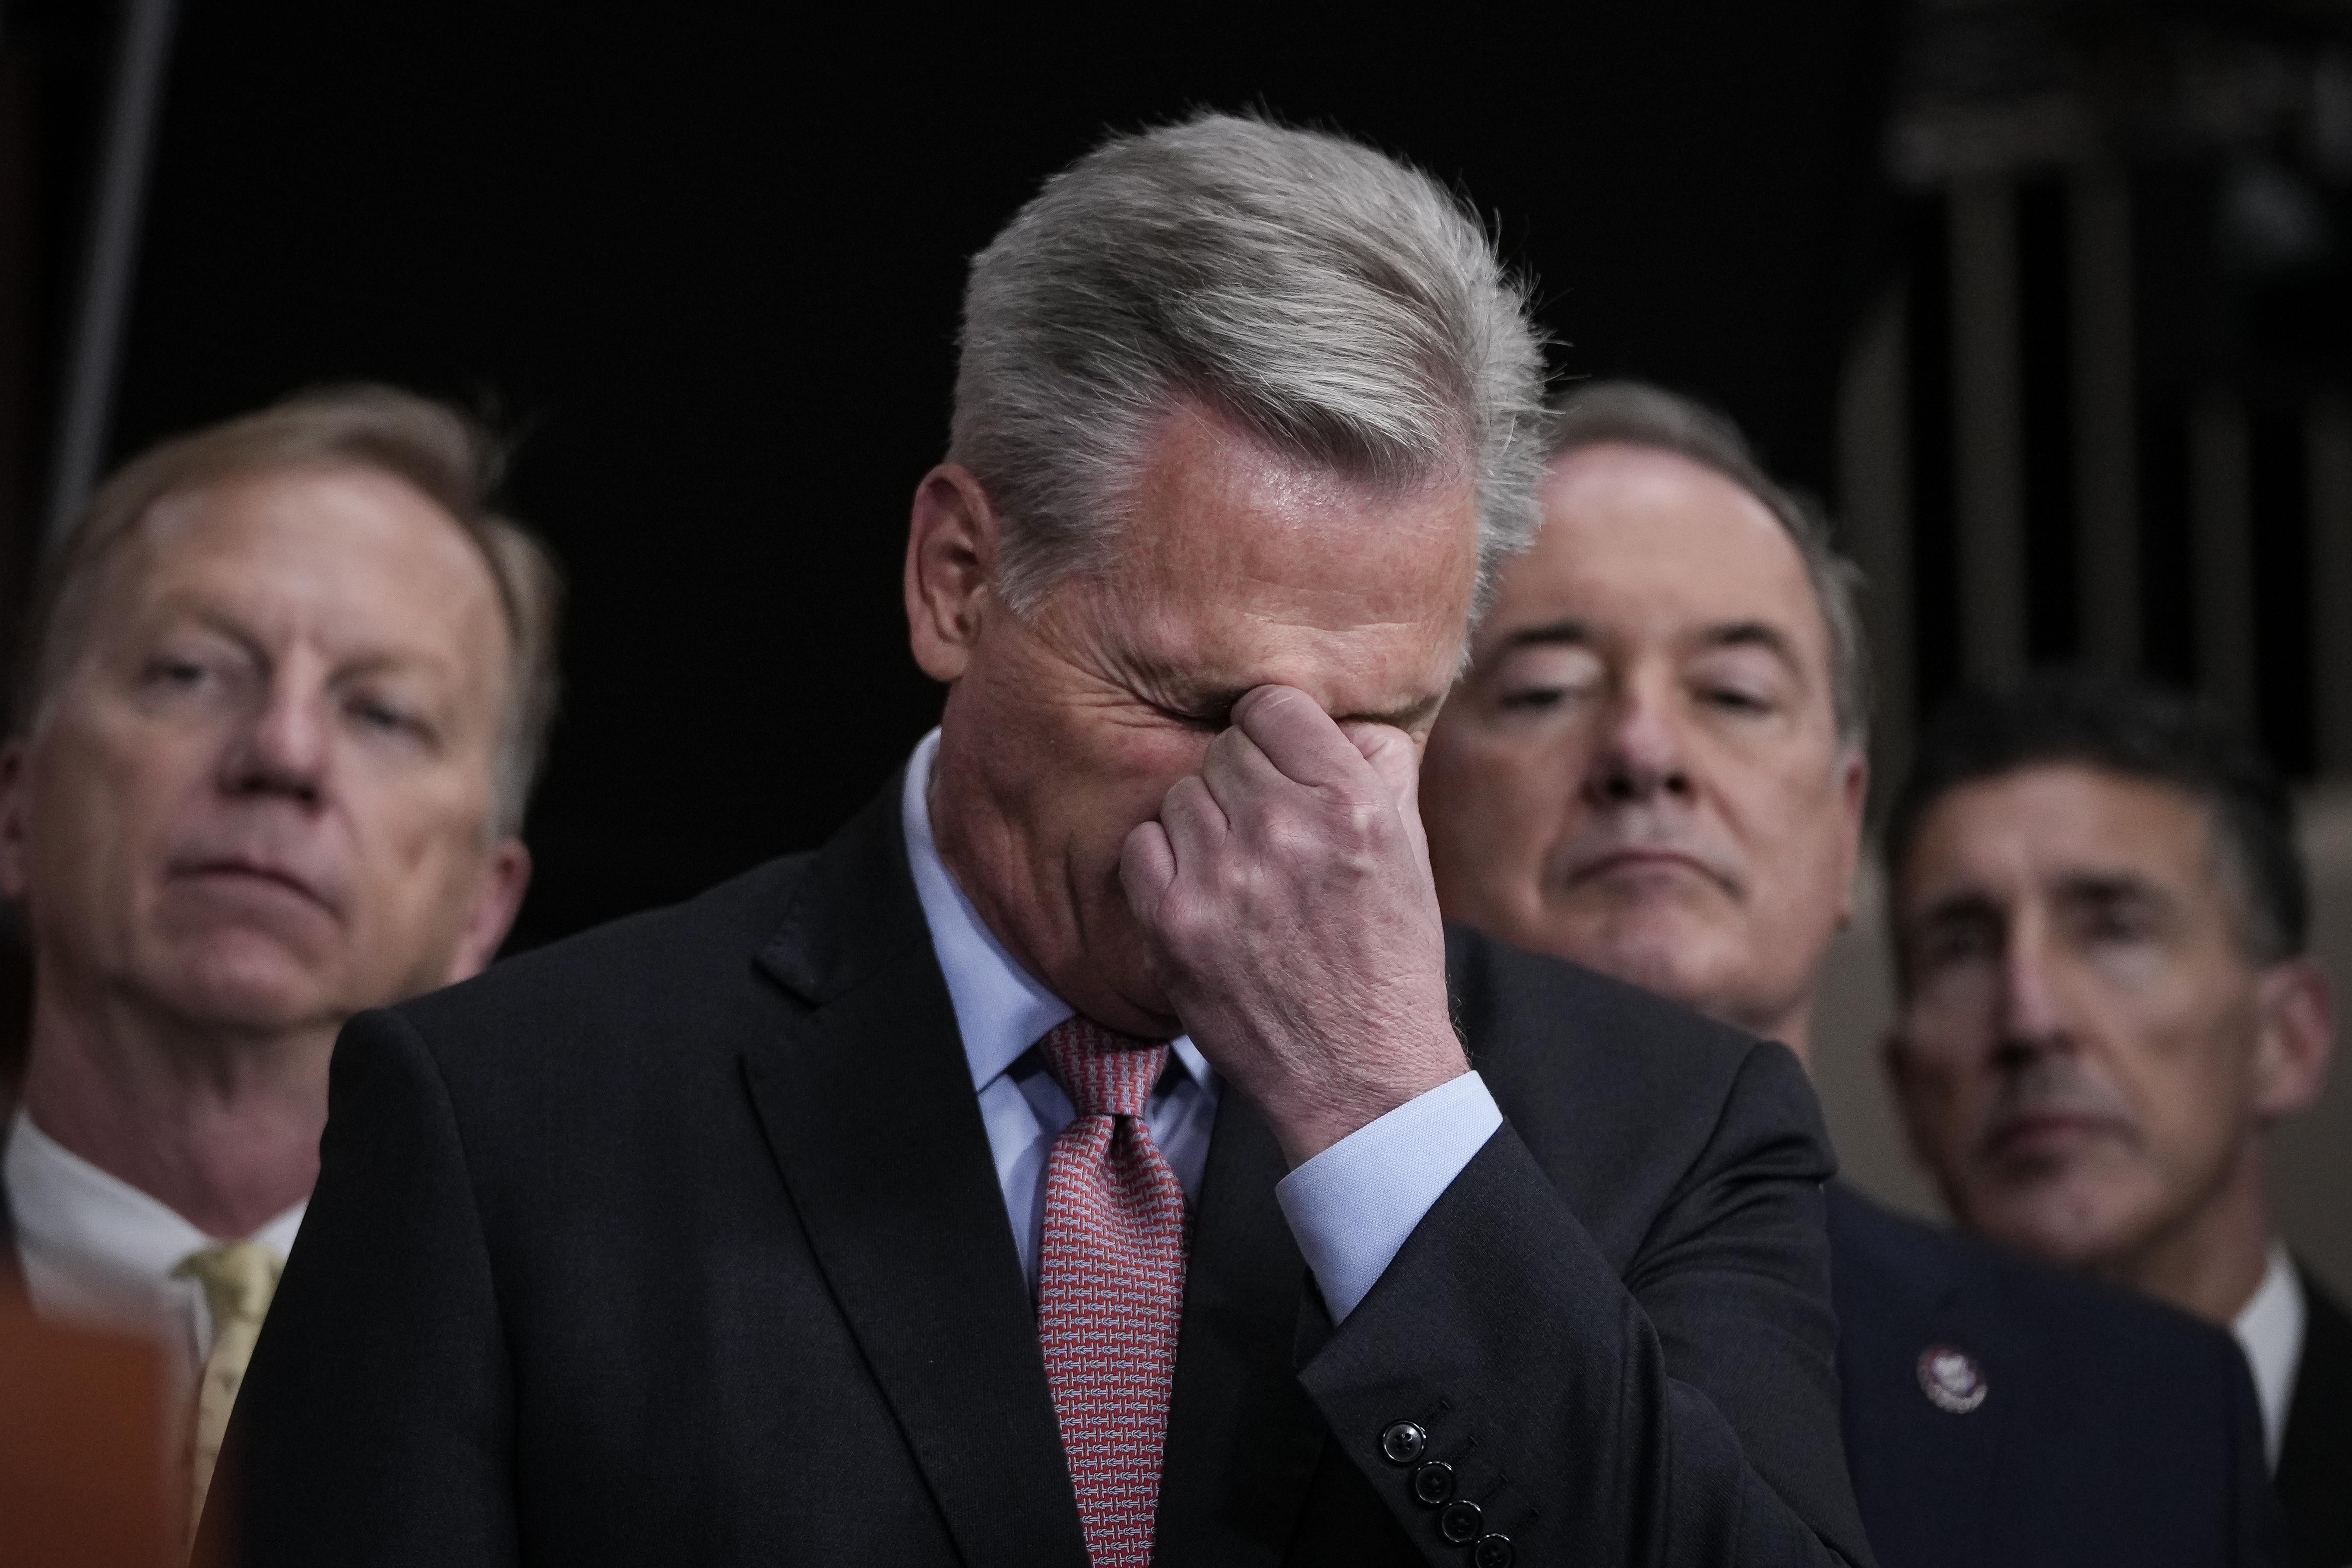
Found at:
[1351, 1208]
[98, 1251]
[2269, 1330]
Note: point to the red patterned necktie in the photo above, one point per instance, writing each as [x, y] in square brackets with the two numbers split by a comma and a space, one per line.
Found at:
[1110, 1285]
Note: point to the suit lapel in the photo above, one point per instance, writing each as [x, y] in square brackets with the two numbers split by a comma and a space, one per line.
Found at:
[1927, 1477]
[1242, 1435]
[869, 1105]
[1968, 1448]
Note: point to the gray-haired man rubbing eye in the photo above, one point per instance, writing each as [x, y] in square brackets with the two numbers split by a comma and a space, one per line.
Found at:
[284, 701]
[1075, 1161]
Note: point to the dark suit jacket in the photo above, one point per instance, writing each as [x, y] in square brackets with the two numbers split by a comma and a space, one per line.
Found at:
[2113, 1429]
[681, 1242]
[2314, 1471]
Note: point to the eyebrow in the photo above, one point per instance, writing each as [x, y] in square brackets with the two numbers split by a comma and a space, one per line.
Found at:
[1727, 633]
[368, 662]
[1755, 634]
[1573, 633]
[2069, 887]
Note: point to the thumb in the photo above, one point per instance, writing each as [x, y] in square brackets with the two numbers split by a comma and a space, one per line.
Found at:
[1396, 763]
[1147, 870]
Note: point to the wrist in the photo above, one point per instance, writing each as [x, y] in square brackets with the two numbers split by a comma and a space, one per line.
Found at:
[1307, 1116]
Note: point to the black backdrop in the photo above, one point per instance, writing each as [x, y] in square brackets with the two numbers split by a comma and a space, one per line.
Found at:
[707, 260]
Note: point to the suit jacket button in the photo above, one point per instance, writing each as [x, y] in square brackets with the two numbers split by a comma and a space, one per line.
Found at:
[1491, 1552]
[1404, 1441]
[1459, 1522]
[1433, 1482]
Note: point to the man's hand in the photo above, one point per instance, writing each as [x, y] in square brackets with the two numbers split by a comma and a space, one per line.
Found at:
[1286, 895]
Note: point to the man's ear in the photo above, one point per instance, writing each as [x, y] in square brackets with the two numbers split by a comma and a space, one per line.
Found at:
[1854, 798]
[2294, 1039]
[497, 901]
[13, 870]
[952, 544]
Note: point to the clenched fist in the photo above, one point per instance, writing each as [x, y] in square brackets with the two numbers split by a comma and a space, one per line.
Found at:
[1286, 894]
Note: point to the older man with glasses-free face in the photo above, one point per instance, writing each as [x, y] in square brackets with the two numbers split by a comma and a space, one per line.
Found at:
[1075, 1161]
[289, 680]
[1655, 766]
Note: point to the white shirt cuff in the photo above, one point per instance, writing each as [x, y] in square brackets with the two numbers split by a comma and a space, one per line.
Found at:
[1352, 1207]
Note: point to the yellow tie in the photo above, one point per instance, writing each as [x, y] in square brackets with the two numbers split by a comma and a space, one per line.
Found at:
[238, 1277]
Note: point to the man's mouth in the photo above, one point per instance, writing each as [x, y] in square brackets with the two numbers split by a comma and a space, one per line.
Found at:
[239, 871]
[1642, 864]
[2046, 1136]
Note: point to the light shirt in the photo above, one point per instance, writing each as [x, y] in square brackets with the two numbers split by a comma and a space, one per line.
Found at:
[1351, 1208]
[98, 1251]
[2269, 1330]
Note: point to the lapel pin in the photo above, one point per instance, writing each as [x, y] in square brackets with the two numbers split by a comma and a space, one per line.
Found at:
[1952, 1379]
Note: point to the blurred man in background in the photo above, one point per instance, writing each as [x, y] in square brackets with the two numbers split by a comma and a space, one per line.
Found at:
[2101, 915]
[284, 696]
[1655, 766]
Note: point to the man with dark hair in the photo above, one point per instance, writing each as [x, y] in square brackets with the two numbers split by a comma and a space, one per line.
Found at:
[2100, 919]
[1075, 1161]
[1654, 766]
[283, 693]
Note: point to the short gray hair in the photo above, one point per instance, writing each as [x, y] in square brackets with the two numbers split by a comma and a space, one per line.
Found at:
[1341, 306]
[1634, 413]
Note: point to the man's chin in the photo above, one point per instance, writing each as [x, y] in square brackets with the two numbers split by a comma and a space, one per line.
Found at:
[1661, 951]
[248, 993]
[2068, 1220]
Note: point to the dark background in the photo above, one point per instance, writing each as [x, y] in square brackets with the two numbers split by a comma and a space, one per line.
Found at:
[705, 261]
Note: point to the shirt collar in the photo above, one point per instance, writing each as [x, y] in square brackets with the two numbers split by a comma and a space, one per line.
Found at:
[999, 1007]
[2269, 1328]
[90, 1221]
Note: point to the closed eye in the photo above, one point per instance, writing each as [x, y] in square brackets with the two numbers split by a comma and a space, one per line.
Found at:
[1731, 699]
[1532, 698]
[169, 671]
[387, 718]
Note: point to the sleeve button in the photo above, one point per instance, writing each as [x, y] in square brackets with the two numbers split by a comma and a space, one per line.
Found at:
[1433, 1482]
[1403, 1442]
[1459, 1522]
[1491, 1552]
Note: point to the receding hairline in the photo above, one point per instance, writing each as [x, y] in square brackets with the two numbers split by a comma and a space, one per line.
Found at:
[1626, 449]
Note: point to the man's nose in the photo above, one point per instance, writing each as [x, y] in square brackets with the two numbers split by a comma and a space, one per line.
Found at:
[281, 748]
[2032, 1020]
[1642, 754]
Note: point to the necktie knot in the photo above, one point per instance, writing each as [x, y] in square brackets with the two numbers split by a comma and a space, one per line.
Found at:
[1104, 1072]
[238, 1278]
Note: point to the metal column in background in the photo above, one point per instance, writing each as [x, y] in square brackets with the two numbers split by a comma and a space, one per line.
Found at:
[110, 264]
[2222, 554]
[2327, 445]
[2105, 410]
[1988, 429]
[1874, 495]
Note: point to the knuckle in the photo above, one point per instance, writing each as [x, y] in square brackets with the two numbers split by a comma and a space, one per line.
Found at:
[1291, 836]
